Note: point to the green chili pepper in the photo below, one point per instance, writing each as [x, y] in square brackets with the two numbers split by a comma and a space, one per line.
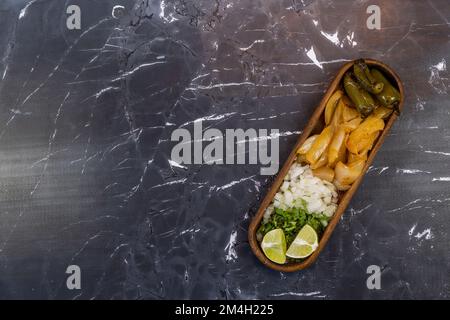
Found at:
[389, 96]
[362, 99]
[365, 78]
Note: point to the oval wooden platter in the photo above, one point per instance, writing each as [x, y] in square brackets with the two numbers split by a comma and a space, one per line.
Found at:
[315, 125]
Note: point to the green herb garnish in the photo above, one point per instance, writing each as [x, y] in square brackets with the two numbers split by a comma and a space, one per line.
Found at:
[292, 220]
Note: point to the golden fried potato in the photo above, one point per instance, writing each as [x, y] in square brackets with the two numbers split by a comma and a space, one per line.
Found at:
[307, 144]
[331, 105]
[319, 146]
[324, 173]
[337, 148]
[347, 174]
[363, 135]
[382, 112]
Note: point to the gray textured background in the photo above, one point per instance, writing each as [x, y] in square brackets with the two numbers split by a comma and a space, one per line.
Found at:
[85, 124]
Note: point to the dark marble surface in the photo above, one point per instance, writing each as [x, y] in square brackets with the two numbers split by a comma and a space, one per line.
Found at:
[85, 124]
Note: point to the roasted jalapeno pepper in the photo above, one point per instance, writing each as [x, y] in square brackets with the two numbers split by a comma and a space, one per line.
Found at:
[363, 101]
[365, 78]
[389, 96]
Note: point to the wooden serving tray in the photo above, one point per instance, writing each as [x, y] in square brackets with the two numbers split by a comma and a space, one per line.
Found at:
[315, 125]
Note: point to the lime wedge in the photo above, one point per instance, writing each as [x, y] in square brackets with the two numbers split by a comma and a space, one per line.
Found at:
[274, 246]
[304, 244]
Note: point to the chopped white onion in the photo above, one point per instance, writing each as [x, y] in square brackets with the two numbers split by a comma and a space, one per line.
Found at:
[299, 184]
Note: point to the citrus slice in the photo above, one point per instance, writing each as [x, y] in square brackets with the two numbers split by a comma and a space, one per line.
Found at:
[304, 244]
[274, 246]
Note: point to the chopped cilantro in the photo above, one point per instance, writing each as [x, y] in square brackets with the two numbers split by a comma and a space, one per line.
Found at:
[292, 220]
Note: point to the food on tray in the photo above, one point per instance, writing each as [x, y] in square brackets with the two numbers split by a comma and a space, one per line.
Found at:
[382, 112]
[366, 79]
[336, 149]
[327, 162]
[346, 174]
[305, 243]
[331, 105]
[363, 137]
[303, 199]
[274, 246]
[324, 173]
[363, 100]
[389, 96]
[349, 114]
[319, 146]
